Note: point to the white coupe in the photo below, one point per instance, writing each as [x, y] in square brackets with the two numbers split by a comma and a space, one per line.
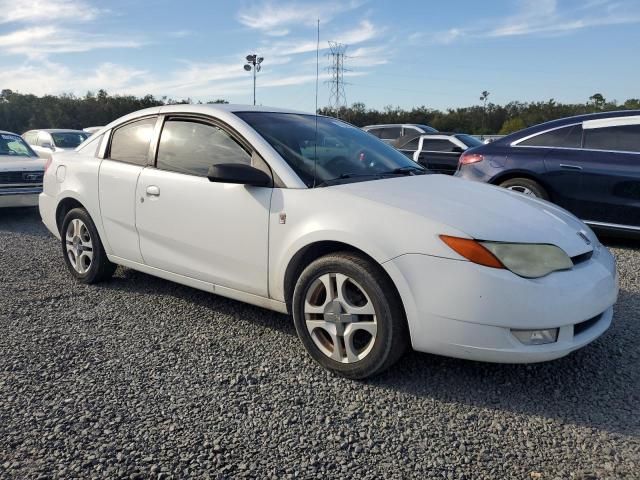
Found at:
[312, 216]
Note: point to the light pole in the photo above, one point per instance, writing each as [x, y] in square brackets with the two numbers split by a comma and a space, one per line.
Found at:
[253, 63]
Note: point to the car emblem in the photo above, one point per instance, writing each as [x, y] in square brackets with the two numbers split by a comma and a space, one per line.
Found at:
[584, 237]
[32, 176]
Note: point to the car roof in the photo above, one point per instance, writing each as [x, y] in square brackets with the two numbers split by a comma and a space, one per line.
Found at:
[6, 132]
[562, 122]
[56, 130]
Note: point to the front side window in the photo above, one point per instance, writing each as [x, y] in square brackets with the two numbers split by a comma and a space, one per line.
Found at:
[565, 137]
[348, 154]
[623, 138]
[437, 145]
[68, 139]
[191, 147]
[130, 143]
[15, 146]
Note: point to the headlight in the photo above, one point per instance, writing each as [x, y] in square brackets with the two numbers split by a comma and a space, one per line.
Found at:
[529, 260]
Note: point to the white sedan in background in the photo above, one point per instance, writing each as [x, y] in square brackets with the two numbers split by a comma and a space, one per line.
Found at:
[368, 252]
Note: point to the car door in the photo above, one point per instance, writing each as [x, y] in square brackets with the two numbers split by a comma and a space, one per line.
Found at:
[126, 157]
[439, 154]
[188, 225]
[554, 156]
[610, 175]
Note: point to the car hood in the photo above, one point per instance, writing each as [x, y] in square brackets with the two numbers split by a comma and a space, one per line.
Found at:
[484, 212]
[10, 163]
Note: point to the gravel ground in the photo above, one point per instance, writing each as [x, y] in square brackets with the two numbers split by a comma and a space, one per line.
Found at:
[143, 378]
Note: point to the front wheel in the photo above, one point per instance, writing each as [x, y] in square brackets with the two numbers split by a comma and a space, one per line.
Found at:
[348, 315]
[82, 249]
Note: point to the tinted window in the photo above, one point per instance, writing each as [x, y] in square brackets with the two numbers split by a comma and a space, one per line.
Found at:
[14, 145]
[69, 139]
[131, 143]
[390, 133]
[352, 154]
[625, 138]
[192, 147]
[375, 131]
[565, 137]
[435, 145]
[427, 129]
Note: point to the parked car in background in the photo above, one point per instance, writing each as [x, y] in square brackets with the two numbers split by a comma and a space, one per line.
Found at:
[589, 164]
[390, 133]
[91, 130]
[45, 142]
[439, 152]
[369, 252]
[21, 172]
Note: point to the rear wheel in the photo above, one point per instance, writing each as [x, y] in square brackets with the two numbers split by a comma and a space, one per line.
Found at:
[82, 249]
[348, 315]
[526, 186]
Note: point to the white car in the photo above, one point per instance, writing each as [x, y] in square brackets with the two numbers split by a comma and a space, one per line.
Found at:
[368, 252]
[21, 172]
[54, 140]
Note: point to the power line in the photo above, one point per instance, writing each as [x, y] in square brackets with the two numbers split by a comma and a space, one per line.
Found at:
[337, 95]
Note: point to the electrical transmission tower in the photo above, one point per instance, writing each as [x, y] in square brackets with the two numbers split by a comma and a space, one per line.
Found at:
[337, 96]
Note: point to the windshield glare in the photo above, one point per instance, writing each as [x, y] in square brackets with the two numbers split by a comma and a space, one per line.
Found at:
[341, 150]
[69, 139]
[14, 146]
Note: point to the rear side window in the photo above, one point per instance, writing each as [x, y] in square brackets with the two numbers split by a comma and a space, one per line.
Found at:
[390, 133]
[623, 138]
[412, 144]
[92, 146]
[437, 145]
[375, 132]
[565, 137]
[130, 143]
[191, 147]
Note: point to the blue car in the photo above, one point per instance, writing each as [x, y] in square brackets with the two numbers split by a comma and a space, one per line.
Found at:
[589, 164]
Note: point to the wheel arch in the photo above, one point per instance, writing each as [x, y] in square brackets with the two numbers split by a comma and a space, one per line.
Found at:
[508, 175]
[65, 206]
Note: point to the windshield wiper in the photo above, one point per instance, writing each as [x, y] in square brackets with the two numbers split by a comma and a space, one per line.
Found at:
[410, 170]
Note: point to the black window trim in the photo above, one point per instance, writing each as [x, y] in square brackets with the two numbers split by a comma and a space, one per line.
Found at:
[163, 118]
[107, 152]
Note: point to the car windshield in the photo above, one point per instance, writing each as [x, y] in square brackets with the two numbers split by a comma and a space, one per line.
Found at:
[468, 140]
[69, 139]
[14, 146]
[343, 153]
[427, 128]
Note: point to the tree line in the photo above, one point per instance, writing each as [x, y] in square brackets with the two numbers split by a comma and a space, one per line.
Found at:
[21, 112]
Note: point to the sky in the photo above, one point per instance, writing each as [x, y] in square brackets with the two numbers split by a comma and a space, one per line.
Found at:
[402, 53]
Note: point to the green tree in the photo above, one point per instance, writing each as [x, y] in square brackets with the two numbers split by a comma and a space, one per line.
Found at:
[512, 125]
[598, 100]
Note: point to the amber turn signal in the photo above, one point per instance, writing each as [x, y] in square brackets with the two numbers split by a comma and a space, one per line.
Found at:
[472, 251]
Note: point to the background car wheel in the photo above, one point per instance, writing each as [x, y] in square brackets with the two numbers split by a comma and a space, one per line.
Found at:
[82, 249]
[526, 186]
[349, 316]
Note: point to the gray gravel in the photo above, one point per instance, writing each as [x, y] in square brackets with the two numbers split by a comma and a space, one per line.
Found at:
[143, 378]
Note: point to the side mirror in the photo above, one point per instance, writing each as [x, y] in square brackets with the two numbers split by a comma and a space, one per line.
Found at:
[238, 173]
[48, 145]
[457, 149]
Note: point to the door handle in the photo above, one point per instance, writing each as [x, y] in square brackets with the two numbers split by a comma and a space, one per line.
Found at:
[153, 191]
[570, 167]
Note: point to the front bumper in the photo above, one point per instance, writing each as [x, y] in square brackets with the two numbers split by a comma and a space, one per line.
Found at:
[460, 309]
[19, 197]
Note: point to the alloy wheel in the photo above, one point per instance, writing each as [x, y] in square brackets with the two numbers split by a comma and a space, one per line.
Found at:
[79, 246]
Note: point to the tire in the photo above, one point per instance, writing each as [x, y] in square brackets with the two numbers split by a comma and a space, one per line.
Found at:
[368, 343]
[526, 186]
[82, 249]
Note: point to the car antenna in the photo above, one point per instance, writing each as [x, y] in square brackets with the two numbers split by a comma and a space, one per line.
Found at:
[315, 143]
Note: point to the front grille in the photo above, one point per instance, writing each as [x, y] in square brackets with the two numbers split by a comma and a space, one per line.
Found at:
[582, 258]
[32, 176]
[581, 327]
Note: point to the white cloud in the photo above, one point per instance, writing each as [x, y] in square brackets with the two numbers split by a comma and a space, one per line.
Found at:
[46, 10]
[276, 19]
[36, 42]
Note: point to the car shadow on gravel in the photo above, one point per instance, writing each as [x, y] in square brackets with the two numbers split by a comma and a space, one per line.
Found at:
[596, 386]
[22, 221]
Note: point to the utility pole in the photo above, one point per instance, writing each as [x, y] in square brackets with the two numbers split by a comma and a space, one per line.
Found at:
[253, 64]
[337, 96]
